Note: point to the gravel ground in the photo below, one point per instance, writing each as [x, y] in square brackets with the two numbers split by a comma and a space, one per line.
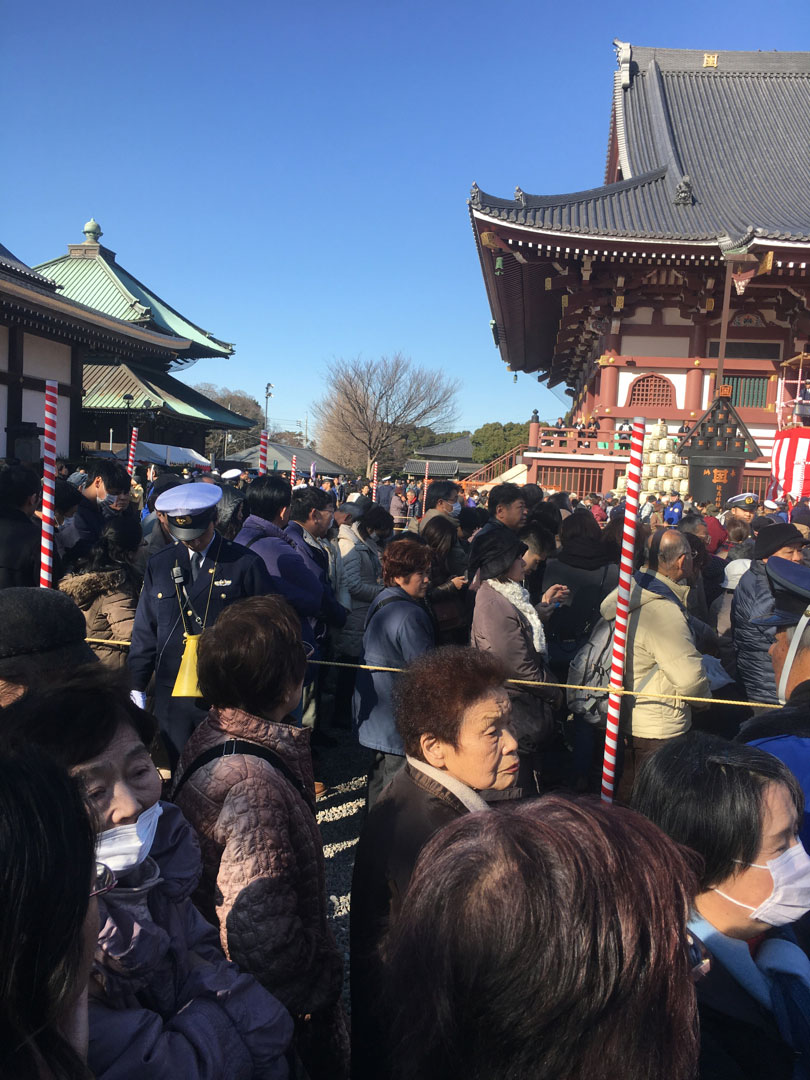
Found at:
[340, 816]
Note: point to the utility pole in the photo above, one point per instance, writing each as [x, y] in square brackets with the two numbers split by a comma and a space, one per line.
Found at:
[267, 396]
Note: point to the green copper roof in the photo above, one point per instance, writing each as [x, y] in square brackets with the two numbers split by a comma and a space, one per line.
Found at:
[89, 274]
[105, 385]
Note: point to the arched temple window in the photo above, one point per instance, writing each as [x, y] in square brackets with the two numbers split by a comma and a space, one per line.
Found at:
[652, 392]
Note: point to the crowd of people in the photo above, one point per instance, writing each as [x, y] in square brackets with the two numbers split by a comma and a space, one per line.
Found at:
[168, 709]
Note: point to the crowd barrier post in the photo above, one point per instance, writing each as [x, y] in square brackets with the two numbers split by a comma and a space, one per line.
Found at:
[263, 453]
[48, 485]
[293, 463]
[626, 567]
[374, 483]
[133, 442]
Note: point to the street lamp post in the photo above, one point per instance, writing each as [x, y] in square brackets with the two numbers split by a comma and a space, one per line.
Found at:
[267, 396]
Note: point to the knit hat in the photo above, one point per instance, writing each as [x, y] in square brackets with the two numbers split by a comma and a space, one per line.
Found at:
[734, 571]
[773, 537]
[494, 552]
[40, 627]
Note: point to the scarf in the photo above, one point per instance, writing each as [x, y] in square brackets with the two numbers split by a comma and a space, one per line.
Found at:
[518, 597]
[467, 795]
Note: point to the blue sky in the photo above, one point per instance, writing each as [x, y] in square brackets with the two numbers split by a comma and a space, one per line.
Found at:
[294, 177]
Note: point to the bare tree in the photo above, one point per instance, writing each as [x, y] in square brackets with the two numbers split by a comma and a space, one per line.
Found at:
[373, 404]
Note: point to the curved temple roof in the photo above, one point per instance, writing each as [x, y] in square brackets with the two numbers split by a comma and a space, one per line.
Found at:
[701, 157]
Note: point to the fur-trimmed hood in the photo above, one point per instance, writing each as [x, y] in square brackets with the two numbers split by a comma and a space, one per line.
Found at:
[85, 588]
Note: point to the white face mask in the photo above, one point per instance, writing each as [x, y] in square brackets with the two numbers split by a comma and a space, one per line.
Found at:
[126, 846]
[790, 896]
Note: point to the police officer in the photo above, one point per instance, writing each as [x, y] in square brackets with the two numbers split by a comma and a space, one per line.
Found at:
[185, 587]
[744, 507]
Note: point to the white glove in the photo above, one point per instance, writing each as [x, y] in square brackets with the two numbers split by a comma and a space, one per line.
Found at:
[139, 698]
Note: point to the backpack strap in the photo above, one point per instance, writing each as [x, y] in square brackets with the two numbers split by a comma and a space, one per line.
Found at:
[249, 749]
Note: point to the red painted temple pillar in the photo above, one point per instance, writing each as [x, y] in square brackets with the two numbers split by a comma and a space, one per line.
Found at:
[694, 390]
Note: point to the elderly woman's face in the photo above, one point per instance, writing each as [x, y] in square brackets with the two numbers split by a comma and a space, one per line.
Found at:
[486, 755]
[415, 584]
[121, 782]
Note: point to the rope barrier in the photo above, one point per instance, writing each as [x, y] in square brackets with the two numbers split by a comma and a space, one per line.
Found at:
[527, 682]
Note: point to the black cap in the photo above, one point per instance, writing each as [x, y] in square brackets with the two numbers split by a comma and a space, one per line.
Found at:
[41, 624]
[790, 584]
[495, 550]
[773, 537]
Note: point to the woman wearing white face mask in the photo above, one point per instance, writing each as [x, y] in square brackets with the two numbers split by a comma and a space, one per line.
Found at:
[740, 809]
[164, 1001]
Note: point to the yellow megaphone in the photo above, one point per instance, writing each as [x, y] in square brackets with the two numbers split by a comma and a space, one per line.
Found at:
[186, 684]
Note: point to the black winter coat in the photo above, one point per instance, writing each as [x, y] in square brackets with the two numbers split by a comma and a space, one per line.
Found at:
[753, 599]
[410, 810]
[19, 549]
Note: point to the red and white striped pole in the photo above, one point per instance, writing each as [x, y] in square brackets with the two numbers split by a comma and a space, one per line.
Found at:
[292, 470]
[374, 482]
[626, 567]
[263, 454]
[48, 485]
[425, 486]
[133, 442]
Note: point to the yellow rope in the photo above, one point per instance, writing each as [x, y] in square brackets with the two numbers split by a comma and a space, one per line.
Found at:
[531, 682]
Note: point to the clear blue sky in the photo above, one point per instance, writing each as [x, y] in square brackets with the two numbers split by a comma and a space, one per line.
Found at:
[293, 177]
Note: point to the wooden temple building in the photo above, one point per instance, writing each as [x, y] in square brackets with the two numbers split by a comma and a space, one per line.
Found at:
[696, 247]
[119, 387]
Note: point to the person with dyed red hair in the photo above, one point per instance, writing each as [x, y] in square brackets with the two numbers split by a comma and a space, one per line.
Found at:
[398, 629]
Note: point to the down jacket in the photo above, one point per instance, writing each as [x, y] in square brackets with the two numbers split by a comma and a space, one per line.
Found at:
[398, 629]
[753, 599]
[499, 628]
[363, 578]
[263, 877]
[164, 1001]
[109, 611]
[661, 657]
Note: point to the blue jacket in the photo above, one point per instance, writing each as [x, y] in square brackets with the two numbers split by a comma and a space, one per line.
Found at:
[398, 629]
[752, 600]
[291, 576]
[317, 562]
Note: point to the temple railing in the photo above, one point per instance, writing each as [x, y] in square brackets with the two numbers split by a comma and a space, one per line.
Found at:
[487, 473]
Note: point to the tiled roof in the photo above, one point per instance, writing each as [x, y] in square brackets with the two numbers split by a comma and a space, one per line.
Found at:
[90, 274]
[283, 454]
[105, 385]
[703, 160]
[10, 264]
[460, 449]
[437, 470]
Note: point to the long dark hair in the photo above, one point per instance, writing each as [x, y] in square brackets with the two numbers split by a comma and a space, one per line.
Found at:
[439, 534]
[542, 943]
[112, 552]
[46, 864]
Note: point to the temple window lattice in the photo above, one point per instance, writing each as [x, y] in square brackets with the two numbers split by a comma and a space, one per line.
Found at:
[652, 391]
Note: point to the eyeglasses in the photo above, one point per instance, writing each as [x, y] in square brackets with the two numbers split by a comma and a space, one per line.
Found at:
[105, 880]
[309, 650]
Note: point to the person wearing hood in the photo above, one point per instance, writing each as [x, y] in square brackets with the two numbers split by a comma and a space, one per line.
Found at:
[506, 624]
[785, 732]
[752, 601]
[163, 1000]
[720, 609]
[105, 585]
[661, 654]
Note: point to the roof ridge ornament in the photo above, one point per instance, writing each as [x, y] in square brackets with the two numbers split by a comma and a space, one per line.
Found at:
[92, 231]
[624, 54]
[683, 192]
[520, 196]
[475, 194]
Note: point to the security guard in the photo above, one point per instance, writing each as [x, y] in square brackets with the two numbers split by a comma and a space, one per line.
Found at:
[185, 587]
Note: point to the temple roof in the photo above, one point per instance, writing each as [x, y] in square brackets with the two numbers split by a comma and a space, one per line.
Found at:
[90, 274]
[14, 267]
[105, 384]
[700, 157]
[460, 449]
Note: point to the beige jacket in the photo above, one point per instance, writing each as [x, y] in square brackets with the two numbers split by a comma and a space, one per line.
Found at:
[661, 657]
